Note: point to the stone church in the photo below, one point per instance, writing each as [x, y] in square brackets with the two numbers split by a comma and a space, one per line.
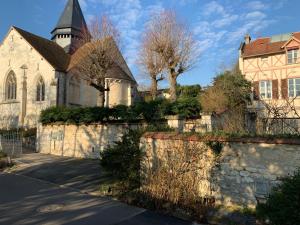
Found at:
[35, 73]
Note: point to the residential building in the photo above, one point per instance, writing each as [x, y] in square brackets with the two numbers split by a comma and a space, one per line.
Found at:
[272, 65]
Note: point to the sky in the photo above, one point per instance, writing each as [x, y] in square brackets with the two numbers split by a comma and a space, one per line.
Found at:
[218, 26]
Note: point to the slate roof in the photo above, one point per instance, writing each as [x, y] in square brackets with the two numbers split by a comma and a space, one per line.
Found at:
[51, 51]
[72, 17]
[265, 46]
[64, 62]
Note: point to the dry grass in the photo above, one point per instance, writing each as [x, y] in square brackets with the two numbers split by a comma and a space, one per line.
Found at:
[180, 177]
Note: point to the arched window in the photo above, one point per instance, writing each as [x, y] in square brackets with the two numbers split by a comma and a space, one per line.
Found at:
[40, 90]
[74, 86]
[11, 86]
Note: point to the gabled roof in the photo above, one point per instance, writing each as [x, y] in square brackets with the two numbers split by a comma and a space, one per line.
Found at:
[266, 46]
[293, 38]
[51, 51]
[61, 61]
[72, 17]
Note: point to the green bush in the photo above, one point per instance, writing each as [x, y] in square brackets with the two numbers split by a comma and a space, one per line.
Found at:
[149, 111]
[76, 115]
[283, 204]
[187, 107]
[123, 159]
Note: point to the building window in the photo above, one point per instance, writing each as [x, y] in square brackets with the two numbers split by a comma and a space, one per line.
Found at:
[294, 87]
[74, 86]
[265, 89]
[40, 90]
[11, 87]
[292, 56]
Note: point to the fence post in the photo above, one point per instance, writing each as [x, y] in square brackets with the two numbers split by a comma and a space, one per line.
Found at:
[1, 149]
[13, 143]
[20, 136]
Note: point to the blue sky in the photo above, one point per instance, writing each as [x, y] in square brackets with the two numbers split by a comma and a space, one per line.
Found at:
[219, 26]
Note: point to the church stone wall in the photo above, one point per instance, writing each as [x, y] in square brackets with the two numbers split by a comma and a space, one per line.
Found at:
[120, 93]
[14, 53]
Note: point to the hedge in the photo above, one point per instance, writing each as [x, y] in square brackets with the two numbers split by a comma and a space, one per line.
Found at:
[149, 111]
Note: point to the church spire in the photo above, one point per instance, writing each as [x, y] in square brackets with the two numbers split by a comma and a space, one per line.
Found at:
[69, 27]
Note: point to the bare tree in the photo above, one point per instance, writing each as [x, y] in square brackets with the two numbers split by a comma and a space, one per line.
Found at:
[152, 64]
[279, 116]
[181, 175]
[97, 55]
[174, 43]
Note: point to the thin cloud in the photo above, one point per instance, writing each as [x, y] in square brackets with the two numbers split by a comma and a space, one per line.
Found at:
[219, 28]
[256, 5]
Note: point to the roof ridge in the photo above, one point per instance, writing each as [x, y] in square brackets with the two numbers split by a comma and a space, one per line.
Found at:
[262, 38]
[22, 30]
[49, 50]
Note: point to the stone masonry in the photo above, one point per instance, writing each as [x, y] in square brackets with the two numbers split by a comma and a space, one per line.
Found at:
[79, 141]
[246, 170]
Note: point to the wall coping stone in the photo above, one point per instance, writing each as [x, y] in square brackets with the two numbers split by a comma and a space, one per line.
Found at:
[111, 122]
[195, 137]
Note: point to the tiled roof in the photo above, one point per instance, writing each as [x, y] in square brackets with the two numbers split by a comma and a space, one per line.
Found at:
[51, 51]
[264, 46]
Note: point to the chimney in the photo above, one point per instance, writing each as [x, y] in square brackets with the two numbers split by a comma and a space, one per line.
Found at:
[247, 39]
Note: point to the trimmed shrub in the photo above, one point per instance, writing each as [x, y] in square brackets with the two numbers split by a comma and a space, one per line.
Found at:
[76, 115]
[149, 111]
[283, 204]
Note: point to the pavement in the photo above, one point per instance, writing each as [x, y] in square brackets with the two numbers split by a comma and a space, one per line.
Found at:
[45, 189]
[81, 174]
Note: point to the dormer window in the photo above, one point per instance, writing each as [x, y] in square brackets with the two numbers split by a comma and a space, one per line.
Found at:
[292, 56]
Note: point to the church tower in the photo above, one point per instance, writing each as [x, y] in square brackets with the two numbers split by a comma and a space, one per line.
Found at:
[69, 27]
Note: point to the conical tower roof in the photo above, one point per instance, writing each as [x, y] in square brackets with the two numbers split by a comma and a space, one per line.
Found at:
[72, 17]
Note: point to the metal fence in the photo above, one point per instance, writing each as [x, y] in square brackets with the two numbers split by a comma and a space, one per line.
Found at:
[14, 143]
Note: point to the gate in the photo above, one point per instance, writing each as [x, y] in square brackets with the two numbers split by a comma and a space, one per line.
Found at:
[16, 143]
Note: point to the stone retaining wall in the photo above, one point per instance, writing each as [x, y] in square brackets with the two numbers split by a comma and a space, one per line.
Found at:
[79, 141]
[247, 168]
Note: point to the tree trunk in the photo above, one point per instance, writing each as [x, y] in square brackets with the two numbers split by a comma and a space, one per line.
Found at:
[153, 88]
[173, 84]
[101, 99]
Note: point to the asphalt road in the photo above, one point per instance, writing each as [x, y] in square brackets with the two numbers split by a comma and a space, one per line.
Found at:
[29, 196]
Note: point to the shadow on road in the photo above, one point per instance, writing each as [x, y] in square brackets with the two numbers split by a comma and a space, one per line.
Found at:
[82, 174]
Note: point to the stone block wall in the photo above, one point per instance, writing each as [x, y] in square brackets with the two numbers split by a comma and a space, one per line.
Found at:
[79, 141]
[200, 125]
[245, 170]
